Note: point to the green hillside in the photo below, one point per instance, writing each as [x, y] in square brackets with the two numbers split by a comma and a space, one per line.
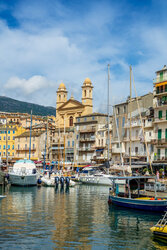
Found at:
[10, 105]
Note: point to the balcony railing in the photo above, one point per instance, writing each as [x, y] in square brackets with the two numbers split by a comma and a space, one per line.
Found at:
[87, 130]
[25, 149]
[159, 141]
[87, 139]
[86, 149]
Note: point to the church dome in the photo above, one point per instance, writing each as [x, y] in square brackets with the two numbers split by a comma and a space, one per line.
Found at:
[62, 86]
[87, 81]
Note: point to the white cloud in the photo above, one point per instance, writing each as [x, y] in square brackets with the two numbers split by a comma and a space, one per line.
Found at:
[28, 86]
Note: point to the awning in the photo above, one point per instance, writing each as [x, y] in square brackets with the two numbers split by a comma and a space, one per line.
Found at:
[161, 84]
[100, 149]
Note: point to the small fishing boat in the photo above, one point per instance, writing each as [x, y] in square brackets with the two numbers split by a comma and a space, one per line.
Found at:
[160, 229]
[129, 192]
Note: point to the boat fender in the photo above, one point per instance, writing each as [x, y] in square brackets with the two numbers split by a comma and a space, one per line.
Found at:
[152, 199]
[57, 180]
[39, 181]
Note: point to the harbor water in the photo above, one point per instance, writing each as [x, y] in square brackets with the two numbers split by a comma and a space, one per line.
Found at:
[78, 218]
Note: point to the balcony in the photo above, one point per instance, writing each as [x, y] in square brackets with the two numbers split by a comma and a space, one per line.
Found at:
[117, 150]
[25, 150]
[87, 139]
[87, 130]
[159, 141]
[133, 124]
[158, 80]
[86, 149]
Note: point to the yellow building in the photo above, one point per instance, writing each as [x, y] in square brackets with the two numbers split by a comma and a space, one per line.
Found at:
[7, 140]
[68, 110]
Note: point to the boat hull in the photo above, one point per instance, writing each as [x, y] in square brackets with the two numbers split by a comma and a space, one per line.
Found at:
[23, 180]
[94, 180]
[146, 205]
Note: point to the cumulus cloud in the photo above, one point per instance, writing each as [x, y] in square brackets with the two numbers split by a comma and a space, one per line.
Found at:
[58, 42]
[28, 86]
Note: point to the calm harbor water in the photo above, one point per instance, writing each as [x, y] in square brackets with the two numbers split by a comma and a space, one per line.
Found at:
[45, 218]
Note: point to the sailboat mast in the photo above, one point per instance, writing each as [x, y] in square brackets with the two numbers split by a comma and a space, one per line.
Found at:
[130, 130]
[108, 113]
[30, 137]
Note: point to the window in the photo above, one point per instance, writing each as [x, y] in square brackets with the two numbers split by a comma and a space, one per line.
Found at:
[166, 114]
[25, 146]
[13, 131]
[85, 119]
[0, 153]
[118, 111]
[9, 138]
[165, 87]
[3, 146]
[159, 134]
[123, 122]
[18, 146]
[72, 143]
[68, 143]
[165, 153]
[0, 146]
[85, 92]
[0, 137]
[158, 153]
[13, 137]
[78, 119]
[33, 146]
[160, 114]
[149, 133]
[136, 150]
[102, 142]
[161, 76]
[12, 146]
[124, 109]
[71, 121]
[8, 146]
[9, 132]
[93, 118]
[4, 138]
[166, 134]
[117, 122]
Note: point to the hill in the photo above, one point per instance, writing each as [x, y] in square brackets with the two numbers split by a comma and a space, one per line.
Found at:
[11, 105]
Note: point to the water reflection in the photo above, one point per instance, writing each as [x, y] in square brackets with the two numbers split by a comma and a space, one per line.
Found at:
[78, 217]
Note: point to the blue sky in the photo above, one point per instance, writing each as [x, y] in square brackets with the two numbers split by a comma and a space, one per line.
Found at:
[44, 43]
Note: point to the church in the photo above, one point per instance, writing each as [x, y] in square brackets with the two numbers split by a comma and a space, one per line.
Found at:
[68, 110]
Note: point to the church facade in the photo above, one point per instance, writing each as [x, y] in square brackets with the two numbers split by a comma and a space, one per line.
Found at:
[68, 110]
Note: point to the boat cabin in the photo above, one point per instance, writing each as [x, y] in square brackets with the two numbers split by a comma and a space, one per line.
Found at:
[131, 186]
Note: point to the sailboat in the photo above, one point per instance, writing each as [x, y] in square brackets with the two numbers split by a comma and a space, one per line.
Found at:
[96, 177]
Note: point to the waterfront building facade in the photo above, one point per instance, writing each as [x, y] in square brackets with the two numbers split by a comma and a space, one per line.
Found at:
[160, 115]
[91, 138]
[8, 132]
[121, 129]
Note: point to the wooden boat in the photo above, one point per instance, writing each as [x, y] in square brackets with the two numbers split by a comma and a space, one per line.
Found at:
[160, 229]
[129, 192]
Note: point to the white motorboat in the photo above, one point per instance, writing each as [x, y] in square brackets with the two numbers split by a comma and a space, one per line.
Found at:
[23, 173]
[2, 197]
[92, 176]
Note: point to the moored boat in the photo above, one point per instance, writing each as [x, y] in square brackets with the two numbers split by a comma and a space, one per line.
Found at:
[129, 192]
[23, 173]
[2, 197]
